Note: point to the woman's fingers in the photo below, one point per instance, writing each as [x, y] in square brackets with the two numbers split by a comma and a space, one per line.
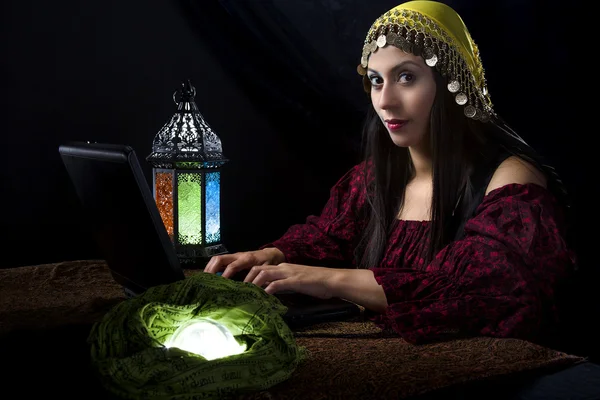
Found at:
[252, 274]
[278, 286]
[231, 264]
[260, 275]
[255, 272]
[236, 266]
[274, 278]
[218, 263]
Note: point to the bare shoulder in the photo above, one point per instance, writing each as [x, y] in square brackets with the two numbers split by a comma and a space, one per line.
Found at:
[515, 170]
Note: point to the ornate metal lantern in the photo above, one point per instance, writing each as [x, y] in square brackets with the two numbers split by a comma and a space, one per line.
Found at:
[186, 158]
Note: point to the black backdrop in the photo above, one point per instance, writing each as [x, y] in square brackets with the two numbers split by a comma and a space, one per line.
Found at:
[276, 81]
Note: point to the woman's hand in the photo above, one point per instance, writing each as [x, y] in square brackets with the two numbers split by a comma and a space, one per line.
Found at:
[231, 264]
[312, 281]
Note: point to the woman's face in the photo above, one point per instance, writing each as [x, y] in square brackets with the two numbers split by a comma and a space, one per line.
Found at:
[402, 92]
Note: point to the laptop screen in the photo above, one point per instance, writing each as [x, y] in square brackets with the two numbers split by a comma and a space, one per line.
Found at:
[124, 218]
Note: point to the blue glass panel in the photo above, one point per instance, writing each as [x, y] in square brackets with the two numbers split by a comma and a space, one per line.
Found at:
[213, 209]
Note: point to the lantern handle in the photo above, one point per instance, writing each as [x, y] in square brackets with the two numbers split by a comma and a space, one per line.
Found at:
[182, 88]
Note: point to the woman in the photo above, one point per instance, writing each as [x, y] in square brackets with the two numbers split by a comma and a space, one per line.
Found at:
[452, 226]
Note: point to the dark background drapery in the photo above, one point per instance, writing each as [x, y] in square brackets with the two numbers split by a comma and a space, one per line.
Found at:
[276, 80]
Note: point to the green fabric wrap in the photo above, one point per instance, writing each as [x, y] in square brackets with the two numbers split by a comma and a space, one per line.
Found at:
[128, 352]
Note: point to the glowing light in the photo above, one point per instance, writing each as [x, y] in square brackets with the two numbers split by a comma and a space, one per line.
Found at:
[207, 338]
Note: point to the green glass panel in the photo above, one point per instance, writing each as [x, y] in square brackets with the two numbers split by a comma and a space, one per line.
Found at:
[189, 193]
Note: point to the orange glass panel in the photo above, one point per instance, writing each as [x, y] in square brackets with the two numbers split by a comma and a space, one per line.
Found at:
[164, 199]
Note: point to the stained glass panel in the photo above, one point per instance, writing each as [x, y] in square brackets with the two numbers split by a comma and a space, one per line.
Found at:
[213, 211]
[189, 192]
[164, 198]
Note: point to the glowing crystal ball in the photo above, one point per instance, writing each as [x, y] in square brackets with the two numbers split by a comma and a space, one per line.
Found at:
[207, 338]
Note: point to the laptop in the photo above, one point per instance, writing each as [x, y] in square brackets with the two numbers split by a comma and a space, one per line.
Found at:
[128, 230]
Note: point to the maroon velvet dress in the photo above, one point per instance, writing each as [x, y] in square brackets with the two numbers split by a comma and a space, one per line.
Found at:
[499, 280]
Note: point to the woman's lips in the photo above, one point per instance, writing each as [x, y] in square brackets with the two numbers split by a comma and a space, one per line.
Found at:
[395, 124]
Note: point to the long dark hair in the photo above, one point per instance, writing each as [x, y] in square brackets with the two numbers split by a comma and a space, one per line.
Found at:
[461, 150]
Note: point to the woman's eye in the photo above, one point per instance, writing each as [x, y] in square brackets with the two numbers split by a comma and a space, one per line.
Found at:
[406, 77]
[375, 80]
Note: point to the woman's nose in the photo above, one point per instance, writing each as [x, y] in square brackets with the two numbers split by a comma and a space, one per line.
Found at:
[387, 98]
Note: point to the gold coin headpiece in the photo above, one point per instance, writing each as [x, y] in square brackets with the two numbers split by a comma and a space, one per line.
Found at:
[437, 33]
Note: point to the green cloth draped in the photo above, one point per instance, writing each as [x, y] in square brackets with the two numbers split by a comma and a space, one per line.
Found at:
[128, 352]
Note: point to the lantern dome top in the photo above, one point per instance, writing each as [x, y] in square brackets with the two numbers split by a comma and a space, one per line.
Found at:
[186, 138]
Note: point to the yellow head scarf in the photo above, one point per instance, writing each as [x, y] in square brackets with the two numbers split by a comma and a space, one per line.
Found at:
[437, 33]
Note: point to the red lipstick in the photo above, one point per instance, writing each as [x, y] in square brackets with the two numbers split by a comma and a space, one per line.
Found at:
[395, 124]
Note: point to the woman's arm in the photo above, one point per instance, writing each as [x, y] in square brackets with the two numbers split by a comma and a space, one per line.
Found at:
[358, 286]
[501, 280]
